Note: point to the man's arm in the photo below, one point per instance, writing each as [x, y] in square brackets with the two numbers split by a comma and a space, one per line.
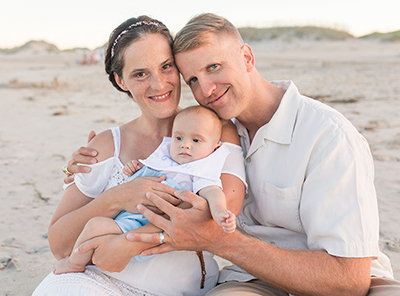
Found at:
[299, 272]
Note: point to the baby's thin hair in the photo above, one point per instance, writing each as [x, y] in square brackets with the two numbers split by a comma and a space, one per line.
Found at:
[203, 110]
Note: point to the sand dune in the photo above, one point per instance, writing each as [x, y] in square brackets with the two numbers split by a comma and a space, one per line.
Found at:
[49, 102]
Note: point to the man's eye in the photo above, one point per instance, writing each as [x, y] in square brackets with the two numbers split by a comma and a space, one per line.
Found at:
[213, 67]
[167, 66]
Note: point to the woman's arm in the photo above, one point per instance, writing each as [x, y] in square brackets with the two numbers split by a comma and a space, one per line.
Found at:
[75, 209]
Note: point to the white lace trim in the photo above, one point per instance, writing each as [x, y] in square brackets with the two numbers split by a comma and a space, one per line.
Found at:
[91, 281]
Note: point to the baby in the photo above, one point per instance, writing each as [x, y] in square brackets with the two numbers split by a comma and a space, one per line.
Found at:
[192, 159]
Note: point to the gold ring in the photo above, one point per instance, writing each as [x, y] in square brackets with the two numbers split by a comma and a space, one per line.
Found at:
[65, 170]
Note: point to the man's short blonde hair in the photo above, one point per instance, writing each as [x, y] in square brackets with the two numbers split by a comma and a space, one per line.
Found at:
[191, 36]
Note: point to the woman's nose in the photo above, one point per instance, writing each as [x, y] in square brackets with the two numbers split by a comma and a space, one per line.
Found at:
[158, 82]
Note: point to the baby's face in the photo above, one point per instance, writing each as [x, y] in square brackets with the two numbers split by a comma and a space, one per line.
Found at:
[193, 138]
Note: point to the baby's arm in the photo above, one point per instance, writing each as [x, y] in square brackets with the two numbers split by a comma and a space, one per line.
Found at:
[217, 203]
[97, 226]
[132, 167]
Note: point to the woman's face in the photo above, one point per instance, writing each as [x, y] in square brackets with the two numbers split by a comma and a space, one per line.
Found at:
[151, 76]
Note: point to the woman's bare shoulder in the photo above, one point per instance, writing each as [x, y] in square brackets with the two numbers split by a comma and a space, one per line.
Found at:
[104, 144]
[229, 133]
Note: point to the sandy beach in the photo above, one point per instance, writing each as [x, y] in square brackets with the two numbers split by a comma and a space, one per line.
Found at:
[50, 101]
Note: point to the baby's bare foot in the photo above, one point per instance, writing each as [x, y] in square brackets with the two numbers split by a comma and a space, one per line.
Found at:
[65, 266]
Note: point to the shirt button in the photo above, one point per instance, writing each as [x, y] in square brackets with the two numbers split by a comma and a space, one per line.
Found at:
[248, 159]
[272, 243]
[246, 196]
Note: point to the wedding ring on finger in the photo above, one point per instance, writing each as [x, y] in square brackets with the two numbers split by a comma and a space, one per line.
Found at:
[65, 170]
[161, 238]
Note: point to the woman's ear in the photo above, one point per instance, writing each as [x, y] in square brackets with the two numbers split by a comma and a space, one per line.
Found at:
[248, 57]
[120, 82]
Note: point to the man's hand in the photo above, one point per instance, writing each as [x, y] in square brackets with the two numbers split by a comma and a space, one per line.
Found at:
[83, 155]
[188, 229]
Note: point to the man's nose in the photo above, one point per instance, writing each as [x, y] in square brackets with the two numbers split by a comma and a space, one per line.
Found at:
[207, 86]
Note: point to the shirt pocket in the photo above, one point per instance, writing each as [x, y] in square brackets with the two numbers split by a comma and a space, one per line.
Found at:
[278, 206]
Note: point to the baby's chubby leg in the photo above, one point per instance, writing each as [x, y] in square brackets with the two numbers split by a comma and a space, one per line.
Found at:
[96, 226]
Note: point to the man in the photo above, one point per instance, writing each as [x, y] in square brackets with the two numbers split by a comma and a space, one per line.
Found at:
[309, 223]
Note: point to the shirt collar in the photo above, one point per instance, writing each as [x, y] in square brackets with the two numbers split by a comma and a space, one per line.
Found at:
[161, 160]
[281, 126]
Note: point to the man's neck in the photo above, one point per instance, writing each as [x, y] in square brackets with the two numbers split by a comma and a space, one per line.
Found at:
[265, 102]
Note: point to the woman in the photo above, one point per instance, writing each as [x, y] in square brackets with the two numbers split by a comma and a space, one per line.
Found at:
[139, 61]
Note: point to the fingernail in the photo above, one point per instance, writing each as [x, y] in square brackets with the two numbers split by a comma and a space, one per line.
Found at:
[94, 153]
[76, 251]
[92, 160]
[86, 169]
[147, 194]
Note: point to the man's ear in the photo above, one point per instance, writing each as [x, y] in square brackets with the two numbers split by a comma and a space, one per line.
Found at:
[120, 82]
[248, 57]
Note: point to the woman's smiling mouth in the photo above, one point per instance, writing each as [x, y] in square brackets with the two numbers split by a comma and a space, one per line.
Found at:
[161, 98]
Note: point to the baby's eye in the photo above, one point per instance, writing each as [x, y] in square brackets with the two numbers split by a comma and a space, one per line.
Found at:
[179, 138]
[196, 140]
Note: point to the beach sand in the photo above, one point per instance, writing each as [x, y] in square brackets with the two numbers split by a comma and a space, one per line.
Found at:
[49, 102]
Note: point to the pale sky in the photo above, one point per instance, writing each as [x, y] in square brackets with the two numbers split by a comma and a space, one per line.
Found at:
[88, 23]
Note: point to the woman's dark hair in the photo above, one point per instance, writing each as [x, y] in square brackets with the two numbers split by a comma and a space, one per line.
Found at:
[123, 36]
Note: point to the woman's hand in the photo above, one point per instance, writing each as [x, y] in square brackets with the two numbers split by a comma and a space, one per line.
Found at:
[132, 193]
[83, 155]
[112, 252]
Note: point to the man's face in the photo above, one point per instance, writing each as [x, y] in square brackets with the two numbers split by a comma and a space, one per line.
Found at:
[217, 74]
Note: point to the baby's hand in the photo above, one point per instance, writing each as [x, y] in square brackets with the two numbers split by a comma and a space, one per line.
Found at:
[132, 167]
[227, 220]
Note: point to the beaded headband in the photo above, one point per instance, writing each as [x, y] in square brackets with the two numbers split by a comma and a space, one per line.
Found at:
[141, 23]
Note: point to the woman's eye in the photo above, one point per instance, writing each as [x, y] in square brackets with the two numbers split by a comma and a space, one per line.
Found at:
[193, 80]
[139, 75]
